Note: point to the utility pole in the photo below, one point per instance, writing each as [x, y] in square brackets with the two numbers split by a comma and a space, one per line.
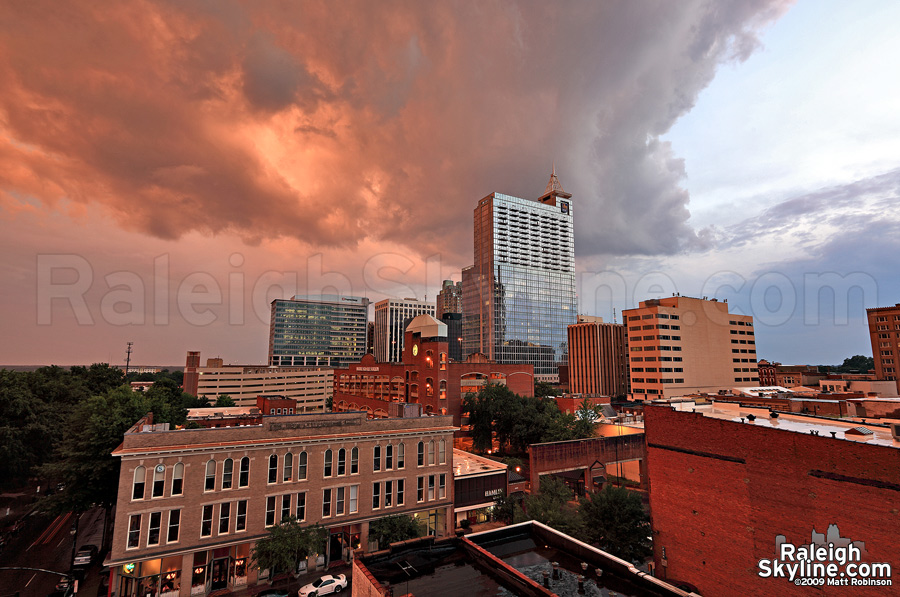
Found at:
[128, 357]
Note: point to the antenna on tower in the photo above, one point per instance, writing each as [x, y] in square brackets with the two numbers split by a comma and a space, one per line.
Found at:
[128, 357]
[614, 316]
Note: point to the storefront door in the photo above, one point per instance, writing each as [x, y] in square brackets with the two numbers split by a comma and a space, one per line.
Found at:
[219, 574]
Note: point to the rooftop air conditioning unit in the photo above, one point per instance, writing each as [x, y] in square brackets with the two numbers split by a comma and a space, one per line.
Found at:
[895, 431]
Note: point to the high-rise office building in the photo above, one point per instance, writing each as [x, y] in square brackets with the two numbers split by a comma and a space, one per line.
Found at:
[519, 296]
[679, 345]
[884, 331]
[449, 299]
[598, 358]
[391, 318]
[318, 331]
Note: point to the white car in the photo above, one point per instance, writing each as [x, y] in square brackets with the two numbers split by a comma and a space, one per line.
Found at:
[324, 586]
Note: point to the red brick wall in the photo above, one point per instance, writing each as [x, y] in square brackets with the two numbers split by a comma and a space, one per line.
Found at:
[717, 518]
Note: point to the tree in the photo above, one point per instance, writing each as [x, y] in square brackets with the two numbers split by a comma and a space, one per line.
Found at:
[287, 544]
[615, 520]
[391, 529]
[856, 364]
[542, 389]
[551, 506]
[224, 401]
[507, 508]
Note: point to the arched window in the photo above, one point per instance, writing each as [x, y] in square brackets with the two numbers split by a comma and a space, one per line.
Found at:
[210, 484]
[273, 468]
[288, 467]
[400, 455]
[442, 452]
[244, 476]
[342, 462]
[376, 459]
[328, 458]
[159, 480]
[301, 466]
[354, 461]
[137, 488]
[227, 473]
[420, 454]
[431, 452]
[178, 479]
[388, 457]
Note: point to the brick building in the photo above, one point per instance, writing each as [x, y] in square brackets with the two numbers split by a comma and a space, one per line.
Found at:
[726, 481]
[193, 502]
[598, 358]
[679, 345]
[425, 376]
[884, 331]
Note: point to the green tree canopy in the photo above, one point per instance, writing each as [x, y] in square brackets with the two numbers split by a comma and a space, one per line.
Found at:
[615, 520]
[224, 401]
[552, 507]
[287, 544]
[391, 529]
[857, 363]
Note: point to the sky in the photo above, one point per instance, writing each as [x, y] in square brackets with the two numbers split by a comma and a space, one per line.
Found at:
[169, 168]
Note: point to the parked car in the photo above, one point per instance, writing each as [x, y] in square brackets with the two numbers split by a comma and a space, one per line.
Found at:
[324, 586]
[85, 556]
[273, 593]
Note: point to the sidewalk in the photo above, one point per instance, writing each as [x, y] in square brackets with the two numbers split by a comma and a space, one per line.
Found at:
[289, 583]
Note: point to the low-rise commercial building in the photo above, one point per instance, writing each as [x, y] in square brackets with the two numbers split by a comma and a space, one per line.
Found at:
[192, 503]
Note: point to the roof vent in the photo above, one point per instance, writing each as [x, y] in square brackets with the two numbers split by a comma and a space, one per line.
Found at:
[895, 431]
[859, 431]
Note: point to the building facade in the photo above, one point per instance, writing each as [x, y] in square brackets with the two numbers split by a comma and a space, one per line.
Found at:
[449, 299]
[317, 331]
[884, 331]
[391, 318]
[598, 358]
[681, 345]
[425, 376]
[191, 377]
[193, 502]
[519, 296]
[310, 387]
[726, 489]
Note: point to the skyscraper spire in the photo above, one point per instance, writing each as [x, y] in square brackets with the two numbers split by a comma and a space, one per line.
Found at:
[554, 188]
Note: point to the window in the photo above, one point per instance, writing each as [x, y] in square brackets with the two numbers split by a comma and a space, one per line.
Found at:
[339, 502]
[388, 493]
[137, 488]
[388, 457]
[430, 487]
[273, 468]
[288, 467]
[174, 524]
[376, 459]
[399, 492]
[420, 460]
[327, 463]
[326, 503]
[153, 534]
[400, 450]
[224, 517]
[420, 489]
[301, 466]
[244, 477]
[270, 510]
[227, 473]
[353, 506]
[376, 495]
[240, 520]
[342, 462]
[285, 506]
[301, 506]
[134, 530]
[178, 479]
[442, 486]
[431, 452]
[159, 481]
[442, 452]
[354, 461]
[206, 521]
[210, 484]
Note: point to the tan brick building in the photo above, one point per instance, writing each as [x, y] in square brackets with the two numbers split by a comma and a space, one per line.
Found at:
[679, 345]
[884, 331]
[193, 502]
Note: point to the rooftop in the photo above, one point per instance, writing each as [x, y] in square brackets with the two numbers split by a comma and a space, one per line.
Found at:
[468, 464]
[881, 434]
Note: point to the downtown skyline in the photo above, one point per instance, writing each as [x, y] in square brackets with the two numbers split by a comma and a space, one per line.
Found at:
[735, 150]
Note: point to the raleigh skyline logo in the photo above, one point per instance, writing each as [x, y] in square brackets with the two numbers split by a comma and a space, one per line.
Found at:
[828, 559]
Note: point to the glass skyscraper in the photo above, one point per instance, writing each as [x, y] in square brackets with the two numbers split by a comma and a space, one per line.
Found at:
[519, 296]
[318, 331]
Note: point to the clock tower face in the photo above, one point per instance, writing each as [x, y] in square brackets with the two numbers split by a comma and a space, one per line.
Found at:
[415, 350]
